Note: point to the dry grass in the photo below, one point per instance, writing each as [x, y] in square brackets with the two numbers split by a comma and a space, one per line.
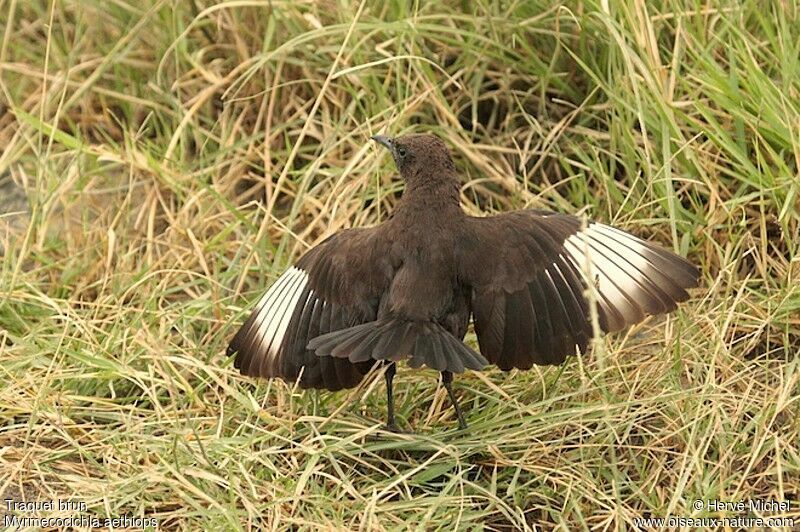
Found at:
[161, 165]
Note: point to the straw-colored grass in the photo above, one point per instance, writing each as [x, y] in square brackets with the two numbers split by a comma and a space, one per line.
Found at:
[162, 162]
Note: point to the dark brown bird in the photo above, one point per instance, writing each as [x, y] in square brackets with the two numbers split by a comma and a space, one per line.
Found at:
[405, 289]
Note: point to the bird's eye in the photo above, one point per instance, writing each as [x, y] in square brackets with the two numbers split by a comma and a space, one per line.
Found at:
[401, 152]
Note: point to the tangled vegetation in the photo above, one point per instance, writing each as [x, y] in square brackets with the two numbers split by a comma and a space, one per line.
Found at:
[162, 162]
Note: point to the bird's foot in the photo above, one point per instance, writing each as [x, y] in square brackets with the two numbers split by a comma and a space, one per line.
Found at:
[392, 427]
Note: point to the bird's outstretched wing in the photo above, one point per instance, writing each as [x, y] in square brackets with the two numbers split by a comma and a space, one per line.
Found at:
[335, 285]
[528, 273]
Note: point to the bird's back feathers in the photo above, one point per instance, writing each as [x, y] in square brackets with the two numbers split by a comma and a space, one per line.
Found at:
[407, 288]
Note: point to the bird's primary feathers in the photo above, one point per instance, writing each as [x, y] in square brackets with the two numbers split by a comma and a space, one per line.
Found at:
[406, 289]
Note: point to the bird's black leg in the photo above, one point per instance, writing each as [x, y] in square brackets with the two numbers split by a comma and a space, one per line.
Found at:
[389, 375]
[447, 380]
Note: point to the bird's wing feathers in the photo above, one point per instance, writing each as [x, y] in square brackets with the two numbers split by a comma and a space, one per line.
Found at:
[529, 271]
[335, 285]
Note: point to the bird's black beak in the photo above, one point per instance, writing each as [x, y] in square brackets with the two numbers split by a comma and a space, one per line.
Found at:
[386, 142]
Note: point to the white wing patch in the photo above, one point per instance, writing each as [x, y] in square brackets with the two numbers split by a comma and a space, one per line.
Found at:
[273, 313]
[617, 267]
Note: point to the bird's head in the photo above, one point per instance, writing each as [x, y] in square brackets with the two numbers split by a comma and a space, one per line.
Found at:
[419, 156]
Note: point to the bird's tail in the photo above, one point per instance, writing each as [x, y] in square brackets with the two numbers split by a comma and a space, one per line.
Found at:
[395, 339]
